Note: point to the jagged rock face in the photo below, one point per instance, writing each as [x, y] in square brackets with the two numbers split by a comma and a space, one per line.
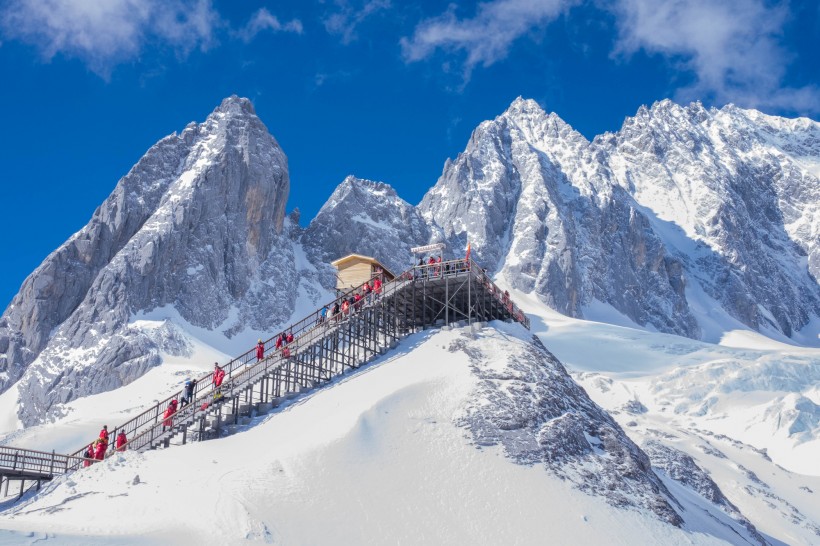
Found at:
[740, 192]
[197, 225]
[537, 203]
[368, 218]
[682, 468]
[526, 402]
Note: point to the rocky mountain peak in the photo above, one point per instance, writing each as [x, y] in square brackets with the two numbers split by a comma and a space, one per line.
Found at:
[235, 106]
[524, 107]
[365, 217]
[363, 189]
[195, 225]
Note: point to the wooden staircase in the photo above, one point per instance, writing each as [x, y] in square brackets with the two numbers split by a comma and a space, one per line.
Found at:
[425, 296]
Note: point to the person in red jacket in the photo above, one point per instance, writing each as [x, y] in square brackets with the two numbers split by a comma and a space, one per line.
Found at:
[121, 441]
[218, 377]
[89, 454]
[431, 271]
[260, 350]
[289, 337]
[104, 434]
[168, 415]
[99, 450]
[280, 339]
[377, 287]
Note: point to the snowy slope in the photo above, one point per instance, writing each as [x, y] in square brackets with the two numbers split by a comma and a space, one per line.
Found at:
[381, 456]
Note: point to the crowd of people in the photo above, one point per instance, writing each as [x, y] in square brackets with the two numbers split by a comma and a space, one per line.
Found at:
[96, 449]
[339, 310]
[433, 267]
[352, 302]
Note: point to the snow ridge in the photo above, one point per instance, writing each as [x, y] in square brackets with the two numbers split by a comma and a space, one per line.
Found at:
[526, 402]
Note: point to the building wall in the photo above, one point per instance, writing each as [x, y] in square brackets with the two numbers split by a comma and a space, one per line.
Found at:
[353, 274]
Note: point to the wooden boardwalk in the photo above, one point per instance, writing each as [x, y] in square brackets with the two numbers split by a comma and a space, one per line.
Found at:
[322, 348]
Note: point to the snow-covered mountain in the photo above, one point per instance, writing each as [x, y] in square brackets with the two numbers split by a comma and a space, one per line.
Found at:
[684, 218]
[365, 217]
[197, 226]
[680, 202]
[688, 221]
[736, 194]
[536, 202]
[460, 436]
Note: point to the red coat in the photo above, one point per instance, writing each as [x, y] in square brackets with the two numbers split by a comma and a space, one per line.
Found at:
[279, 342]
[377, 286]
[104, 435]
[121, 441]
[168, 419]
[89, 454]
[99, 451]
[260, 351]
[289, 339]
[219, 375]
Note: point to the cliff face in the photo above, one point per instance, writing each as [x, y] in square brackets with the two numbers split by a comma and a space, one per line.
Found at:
[737, 194]
[539, 205]
[197, 225]
[364, 217]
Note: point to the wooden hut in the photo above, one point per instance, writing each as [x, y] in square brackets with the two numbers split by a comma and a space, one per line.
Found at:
[355, 269]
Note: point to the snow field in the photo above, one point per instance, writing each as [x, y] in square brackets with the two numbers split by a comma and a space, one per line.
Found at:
[372, 459]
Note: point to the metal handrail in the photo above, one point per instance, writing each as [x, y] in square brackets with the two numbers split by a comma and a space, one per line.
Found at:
[149, 424]
[148, 427]
[44, 464]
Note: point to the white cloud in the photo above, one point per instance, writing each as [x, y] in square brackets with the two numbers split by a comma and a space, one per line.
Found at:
[349, 16]
[103, 33]
[263, 20]
[732, 47]
[487, 37]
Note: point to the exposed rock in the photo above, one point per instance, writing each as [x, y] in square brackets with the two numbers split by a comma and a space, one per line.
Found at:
[527, 403]
[368, 218]
[198, 225]
[682, 468]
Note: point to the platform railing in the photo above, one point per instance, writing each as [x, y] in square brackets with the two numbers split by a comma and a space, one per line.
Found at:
[149, 427]
[33, 464]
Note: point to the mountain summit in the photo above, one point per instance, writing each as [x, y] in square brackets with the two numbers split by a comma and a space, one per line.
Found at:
[686, 221]
[681, 207]
[193, 226]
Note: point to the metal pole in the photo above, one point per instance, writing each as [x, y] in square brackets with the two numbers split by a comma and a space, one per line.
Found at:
[447, 300]
[469, 295]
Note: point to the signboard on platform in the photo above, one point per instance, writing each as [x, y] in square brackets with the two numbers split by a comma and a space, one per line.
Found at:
[429, 248]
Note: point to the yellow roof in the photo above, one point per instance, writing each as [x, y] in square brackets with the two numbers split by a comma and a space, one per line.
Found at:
[350, 257]
[338, 264]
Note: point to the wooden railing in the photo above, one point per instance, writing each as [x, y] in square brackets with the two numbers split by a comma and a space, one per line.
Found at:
[148, 429]
[29, 463]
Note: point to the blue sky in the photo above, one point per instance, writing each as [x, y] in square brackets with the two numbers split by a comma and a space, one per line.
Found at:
[381, 89]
